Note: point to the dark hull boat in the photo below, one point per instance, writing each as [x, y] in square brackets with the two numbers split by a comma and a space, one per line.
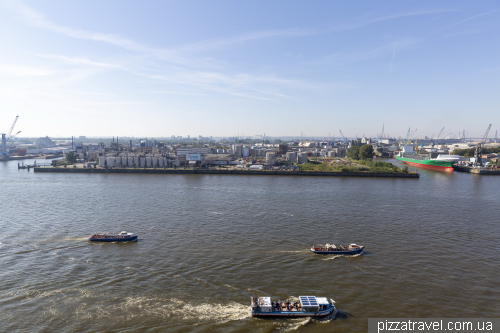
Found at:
[108, 237]
[341, 249]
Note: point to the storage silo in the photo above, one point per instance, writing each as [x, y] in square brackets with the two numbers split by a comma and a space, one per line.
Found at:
[271, 158]
[148, 161]
[302, 158]
[118, 161]
[237, 150]
[142, 161]
[160, 162]
[291, 157]
[155, 162]
[102, 161]
[245, 152]
[111, 161]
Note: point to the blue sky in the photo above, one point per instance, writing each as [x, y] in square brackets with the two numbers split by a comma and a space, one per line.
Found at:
[161, 68]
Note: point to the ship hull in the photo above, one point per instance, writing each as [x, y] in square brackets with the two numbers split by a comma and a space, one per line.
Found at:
[338, 252]
[294, 314]
[107, 240]
[428, 164]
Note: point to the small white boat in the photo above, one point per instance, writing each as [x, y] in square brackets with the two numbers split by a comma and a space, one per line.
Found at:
[307, 306]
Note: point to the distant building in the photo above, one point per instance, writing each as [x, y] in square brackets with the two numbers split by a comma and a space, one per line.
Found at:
[46, 142]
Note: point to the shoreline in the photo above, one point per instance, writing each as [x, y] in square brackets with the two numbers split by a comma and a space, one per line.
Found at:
[230, 172]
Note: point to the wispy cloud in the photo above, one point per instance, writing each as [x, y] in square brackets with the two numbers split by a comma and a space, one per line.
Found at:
[468, 19]
[17, 70]
[343, 58]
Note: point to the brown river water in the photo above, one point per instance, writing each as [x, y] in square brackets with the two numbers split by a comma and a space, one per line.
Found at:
[207, 243]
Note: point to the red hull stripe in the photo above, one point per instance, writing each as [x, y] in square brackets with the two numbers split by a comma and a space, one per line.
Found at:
[426, 166]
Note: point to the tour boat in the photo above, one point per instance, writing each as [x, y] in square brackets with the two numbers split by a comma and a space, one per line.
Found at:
[307, 306]
[108, 237]
[333, 249]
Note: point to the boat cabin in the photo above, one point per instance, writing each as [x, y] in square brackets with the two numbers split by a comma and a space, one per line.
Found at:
[323, 303]
[262, 303]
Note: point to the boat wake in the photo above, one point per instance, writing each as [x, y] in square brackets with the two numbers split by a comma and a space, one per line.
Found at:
[178, 309]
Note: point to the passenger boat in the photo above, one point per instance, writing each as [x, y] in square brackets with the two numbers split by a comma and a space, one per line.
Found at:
[307, 306]
[108, 237]
[333, 249]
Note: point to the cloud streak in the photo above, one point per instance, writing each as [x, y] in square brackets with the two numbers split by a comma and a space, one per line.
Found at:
[468, 19]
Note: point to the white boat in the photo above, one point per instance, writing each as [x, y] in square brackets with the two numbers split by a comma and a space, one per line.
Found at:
[307, 306]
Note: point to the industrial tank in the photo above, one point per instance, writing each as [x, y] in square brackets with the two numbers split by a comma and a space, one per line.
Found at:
[130, 161]
[302, 158]
[237, 150]
[102, 161]
[142, 161]
[291, 157]
[111, 161]
[245, 152]
[271, 158]
[160, 162]
[155, 162]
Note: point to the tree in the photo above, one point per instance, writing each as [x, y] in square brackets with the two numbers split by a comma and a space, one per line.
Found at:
[365, 152]
[353, 152]
[71, 157]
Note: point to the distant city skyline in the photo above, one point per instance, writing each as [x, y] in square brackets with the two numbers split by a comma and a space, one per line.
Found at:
[220, 68]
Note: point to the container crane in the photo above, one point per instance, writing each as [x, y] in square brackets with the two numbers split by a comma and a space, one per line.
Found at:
[479, 148]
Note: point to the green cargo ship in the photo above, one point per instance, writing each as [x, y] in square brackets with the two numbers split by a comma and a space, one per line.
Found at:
[433, 161]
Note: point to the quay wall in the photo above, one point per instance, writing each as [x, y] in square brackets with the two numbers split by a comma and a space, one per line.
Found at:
[477, 171]
[230, 172]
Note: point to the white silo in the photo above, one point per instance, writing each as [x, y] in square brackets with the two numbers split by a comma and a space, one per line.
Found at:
[130, 160]
[155, 162]
[111, 161]
[291, 157]
[118, 161]
[302, 158]
[102, 161]
[245, 152]
[160, 162]
[142, 161]
[271, 158]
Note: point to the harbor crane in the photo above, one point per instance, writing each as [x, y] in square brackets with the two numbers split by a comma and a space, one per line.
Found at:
[441, 132]
[407, 136]
[12, 128]
[345, 139]
[479, 148]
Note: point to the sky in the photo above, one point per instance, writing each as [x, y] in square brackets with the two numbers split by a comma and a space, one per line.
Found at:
[227, 68]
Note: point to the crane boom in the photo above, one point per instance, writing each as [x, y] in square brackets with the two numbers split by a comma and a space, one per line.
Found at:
[12, 127]
[343, 137]
[407, 136]
[478, 161]
[441, 132]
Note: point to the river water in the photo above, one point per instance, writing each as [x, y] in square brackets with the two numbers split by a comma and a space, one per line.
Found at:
[209, 242]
